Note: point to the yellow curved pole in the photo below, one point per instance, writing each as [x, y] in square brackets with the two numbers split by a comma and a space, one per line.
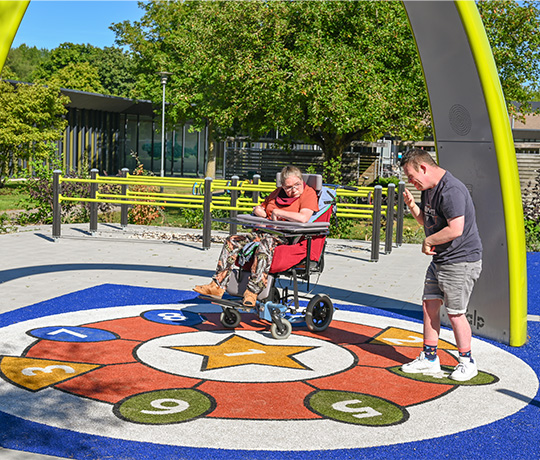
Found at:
[11, 14]
[506, 157]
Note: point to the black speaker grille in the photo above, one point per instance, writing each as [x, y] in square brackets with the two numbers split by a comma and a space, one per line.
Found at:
[460, 120]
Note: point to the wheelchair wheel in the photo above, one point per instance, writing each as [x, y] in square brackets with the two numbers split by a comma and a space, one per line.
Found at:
[319, 313]
[285, 333]
[230, 318]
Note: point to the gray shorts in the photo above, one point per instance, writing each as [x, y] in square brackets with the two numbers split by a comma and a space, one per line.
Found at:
[452, 283]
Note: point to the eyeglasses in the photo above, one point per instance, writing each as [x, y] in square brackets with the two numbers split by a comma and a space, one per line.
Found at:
[295, 187]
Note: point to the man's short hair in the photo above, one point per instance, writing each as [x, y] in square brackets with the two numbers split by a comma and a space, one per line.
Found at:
[416, 157]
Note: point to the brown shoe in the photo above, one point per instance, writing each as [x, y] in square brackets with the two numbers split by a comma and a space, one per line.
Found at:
[210, 289]
[250, 299]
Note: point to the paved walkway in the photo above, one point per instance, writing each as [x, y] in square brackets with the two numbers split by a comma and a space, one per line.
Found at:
[36, 268]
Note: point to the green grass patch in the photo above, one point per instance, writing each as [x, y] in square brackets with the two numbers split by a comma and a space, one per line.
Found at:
[163, 407]
[356, 408]
[11, 196]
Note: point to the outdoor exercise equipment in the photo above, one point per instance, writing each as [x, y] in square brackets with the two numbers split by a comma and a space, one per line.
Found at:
[473, 140]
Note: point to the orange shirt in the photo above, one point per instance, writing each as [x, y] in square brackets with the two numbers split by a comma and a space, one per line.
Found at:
[308, 200]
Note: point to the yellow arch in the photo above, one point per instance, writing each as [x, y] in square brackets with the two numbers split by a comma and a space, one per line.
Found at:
[11, 14]
[504, 148]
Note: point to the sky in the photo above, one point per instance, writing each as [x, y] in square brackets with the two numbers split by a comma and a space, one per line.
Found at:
[47, 24]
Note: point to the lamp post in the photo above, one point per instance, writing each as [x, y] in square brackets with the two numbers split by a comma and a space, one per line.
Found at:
[164, 77]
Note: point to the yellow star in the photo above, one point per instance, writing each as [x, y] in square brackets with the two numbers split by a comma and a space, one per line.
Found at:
[237, 351]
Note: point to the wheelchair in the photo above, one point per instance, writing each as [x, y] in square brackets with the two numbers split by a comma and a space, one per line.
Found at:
[299, 260]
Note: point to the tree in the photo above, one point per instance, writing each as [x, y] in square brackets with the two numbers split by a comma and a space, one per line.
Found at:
[23, 60]
[80, 76]
[330, 72]
[112, 65]
[31, 117]
[512, 28]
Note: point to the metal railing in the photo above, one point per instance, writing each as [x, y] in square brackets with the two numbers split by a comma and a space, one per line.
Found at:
[232, 197]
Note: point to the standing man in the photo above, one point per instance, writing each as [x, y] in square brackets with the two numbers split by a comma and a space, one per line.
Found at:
[447, 213]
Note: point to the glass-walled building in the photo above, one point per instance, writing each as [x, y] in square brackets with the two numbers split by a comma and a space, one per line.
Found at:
[185, 149]
[110, 133]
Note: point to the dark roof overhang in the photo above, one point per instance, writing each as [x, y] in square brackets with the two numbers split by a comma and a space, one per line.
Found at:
[94, 101]
[102, 102]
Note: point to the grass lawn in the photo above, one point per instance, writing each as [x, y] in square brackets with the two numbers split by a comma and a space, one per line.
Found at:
[11, 195]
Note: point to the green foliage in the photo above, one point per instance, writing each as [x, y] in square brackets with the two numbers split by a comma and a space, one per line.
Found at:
[341, 228]
[37, 199]
[6, 223]
[384, 181]
[80, 76]
[413, 235]
[330, 72]
[30, 119]
[512, 29]
[22, 62]
[38, 203]
[532, 236]
[332, 171]
[531, 214]
[111, 68]
[193, 217]
[8, 74]
[116, 71]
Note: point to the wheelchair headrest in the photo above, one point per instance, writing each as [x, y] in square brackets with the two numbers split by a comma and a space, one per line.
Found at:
[313, 180]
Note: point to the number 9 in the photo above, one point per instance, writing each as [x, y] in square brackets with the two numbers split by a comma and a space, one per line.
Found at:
[179, 406]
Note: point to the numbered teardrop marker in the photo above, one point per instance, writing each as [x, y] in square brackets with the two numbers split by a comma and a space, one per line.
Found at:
[356, 408]
[164, 406]
[35, 374]
[397, 337]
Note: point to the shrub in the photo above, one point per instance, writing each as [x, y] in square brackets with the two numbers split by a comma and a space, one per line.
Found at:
[142, 214]
[384, 181]
[531, 213]
[532, 236]
[413, 235]
[39, 187]
[6, 223]
[38, 204]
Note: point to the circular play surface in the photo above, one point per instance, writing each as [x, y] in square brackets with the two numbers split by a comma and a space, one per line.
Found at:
[171, 374]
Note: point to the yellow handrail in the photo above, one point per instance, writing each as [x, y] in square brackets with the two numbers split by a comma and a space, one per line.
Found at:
[219, 202]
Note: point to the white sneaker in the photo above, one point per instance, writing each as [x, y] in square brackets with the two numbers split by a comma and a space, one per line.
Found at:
[422, 365]
[465, 370]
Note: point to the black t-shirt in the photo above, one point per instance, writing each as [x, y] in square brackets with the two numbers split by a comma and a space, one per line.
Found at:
[449, 199]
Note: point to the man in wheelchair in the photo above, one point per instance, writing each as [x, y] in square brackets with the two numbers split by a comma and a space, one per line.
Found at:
[293, 201]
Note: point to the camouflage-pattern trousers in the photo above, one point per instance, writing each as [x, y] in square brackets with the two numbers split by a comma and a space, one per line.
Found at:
[262, 258]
